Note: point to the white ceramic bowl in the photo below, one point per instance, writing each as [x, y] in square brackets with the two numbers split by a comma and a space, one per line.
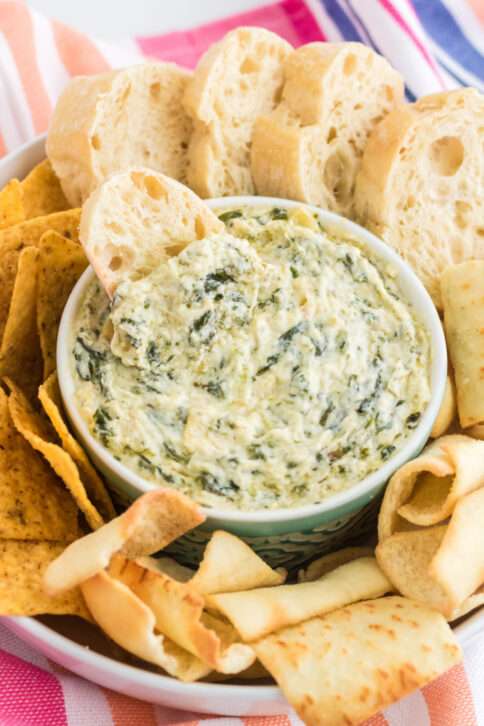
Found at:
[283, 537]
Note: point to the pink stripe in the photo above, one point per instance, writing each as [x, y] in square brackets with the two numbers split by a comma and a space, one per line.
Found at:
[29, 695]
[290, 19]
[390, 8]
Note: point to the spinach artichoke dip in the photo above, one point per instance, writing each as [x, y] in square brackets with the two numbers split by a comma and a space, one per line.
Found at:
[266, 367]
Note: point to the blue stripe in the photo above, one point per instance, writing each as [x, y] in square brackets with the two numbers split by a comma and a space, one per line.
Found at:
[442, 27]
[451, 72]
[342, 21]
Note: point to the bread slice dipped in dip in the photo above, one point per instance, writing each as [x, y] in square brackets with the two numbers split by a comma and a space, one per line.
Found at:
[268, 366]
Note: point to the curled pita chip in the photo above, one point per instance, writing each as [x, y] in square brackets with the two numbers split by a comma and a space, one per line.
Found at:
[425, 490]
[230, 565]
[20, 356]
[42, 193]
[256, 613]
[179, 613]
[471, 603]
[97, 492]
[11, 204]
[342, 668]
[38, 432]
[331, 561]
[434, 500]
[405, 558]
[149, 525]
[22, 565]
[458, 565]
[463, 303]
[131, 624]
[60, 264]
[447, 411]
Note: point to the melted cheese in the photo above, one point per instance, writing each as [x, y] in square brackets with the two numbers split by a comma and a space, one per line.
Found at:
[267, 367]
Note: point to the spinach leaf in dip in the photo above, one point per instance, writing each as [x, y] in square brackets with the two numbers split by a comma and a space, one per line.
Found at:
[267, 367]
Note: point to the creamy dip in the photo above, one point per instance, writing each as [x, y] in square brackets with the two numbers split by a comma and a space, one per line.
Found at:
[266, 367]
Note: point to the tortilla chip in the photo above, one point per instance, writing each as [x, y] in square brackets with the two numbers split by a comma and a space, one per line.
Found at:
[447, 411]
[61, 263]
[179, 613]
[150, 524]
[230, 565]
[37, 431]
[131, 624]
[8, 272]
[14, 239]
[341, 669]
[20, 357]
[33, 502]
[405, 559]
[22, 566]
[434, 499]
[329, 562]
[42, 191]
[29, 233]
[256, 613]
[458, 566]
[11, 204]
[97, 492]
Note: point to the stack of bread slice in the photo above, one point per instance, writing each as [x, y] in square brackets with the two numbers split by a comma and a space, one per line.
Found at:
[326, 124]
[310, 147]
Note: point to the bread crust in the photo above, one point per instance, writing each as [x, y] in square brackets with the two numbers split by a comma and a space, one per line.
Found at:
[421, 183]
[106, 123]
[237, 80]
[309, 148]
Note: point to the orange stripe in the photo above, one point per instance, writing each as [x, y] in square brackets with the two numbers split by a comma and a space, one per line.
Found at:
[376, 720]
[478, 9]
[78, 54]
[3, 148]
[129, 710]
[449, 699]
[16, 25]
[266, 721]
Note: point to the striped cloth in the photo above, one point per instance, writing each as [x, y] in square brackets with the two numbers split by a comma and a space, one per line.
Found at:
[436, 44]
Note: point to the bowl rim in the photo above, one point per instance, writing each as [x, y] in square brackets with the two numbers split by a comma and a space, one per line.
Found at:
[421, 303]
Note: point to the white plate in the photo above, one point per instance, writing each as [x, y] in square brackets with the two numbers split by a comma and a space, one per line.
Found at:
[215, 698]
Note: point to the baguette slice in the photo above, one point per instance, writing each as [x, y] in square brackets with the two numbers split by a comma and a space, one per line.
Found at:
[309, 148]
[421, 183]
[238, 79]
[137, 217]
[113, 121]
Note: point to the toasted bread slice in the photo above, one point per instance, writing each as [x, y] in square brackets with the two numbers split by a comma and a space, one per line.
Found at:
[238, 79]
[310, 146]
[421, 183]
[114, 121]
[137, 217]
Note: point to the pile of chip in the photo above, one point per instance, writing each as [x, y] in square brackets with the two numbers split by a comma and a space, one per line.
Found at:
[50, 493]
